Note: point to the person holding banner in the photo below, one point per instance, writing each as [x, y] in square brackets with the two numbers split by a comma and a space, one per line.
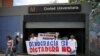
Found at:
[32, 37]
[73, 44]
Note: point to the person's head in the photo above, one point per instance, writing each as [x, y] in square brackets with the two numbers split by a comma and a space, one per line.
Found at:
[9, 38]
[17, 37]
[57, 34]
[32, 35]
[72, 37]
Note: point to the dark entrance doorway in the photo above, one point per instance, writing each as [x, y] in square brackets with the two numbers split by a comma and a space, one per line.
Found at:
[78, 32]
[65, 24]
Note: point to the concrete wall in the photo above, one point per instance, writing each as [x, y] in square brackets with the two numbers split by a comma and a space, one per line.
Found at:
[23, 10]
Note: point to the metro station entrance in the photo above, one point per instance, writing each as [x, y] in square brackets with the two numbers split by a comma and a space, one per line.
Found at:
[64, 33]
[65, 24]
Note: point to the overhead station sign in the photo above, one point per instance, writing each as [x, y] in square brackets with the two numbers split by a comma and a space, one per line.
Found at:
[55, 8]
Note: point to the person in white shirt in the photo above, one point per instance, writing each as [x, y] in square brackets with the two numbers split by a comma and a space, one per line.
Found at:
[32, 37]
[73, 44]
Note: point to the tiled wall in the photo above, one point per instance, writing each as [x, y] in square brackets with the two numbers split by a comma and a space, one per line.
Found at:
[8, 26]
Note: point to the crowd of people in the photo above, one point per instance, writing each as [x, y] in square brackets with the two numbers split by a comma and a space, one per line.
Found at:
[72, 41]
[12, 44]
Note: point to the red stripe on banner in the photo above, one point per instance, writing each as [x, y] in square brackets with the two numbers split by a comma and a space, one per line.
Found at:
[44, 49]
[66, 49]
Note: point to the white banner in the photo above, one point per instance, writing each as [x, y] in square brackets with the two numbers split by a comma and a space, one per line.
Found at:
[49, 47]
[46, 35]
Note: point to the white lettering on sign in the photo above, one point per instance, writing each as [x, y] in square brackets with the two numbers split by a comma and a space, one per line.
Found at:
[32, 9]
[57, 8]
[61, 8]
[67, 8]
[49, 8]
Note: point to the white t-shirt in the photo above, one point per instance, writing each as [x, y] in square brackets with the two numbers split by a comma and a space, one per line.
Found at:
[33, 39]
[72, 43]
